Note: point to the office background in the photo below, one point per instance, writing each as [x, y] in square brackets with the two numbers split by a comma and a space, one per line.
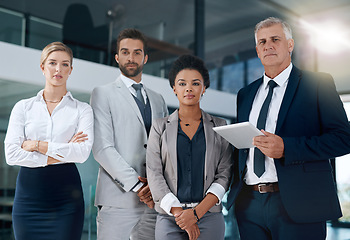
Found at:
[220, 32]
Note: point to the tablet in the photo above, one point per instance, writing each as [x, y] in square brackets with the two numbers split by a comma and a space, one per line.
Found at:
[239, 135]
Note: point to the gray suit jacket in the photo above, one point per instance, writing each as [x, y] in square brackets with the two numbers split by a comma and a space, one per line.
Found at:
[162, 158]
[120, 142]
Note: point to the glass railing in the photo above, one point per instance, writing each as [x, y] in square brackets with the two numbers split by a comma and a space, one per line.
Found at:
[41, 32]
[92, 44]
[34, 32]
[12, 28]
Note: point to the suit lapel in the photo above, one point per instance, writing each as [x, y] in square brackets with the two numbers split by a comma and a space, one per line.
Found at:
[293, 84]
[247, 101]
[124, 91]
[208, 124]
[171, 138]
[152, 101]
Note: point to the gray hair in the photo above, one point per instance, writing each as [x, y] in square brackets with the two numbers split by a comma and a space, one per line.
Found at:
[268, 22]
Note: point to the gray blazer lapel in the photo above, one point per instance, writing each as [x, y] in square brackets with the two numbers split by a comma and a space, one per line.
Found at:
[208, 124]
[124, 91]
[153, 102]
[171, 137]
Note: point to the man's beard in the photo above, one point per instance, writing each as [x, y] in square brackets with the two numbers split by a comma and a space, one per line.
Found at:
[130, 73]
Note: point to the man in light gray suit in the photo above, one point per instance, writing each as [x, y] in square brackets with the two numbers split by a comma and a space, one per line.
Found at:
[123, 113]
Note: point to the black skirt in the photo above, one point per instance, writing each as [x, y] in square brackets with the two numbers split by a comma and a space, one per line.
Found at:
[48, 203]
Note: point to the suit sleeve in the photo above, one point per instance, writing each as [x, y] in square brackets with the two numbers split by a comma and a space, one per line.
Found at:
[154, 164]
[104, 149]
[334, 137]
[225, 167]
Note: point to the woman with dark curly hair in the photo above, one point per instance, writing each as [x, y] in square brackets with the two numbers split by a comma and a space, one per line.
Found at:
[189, 166]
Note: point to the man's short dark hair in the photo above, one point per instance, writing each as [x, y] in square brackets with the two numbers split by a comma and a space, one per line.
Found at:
[133, 34]
[189, 62]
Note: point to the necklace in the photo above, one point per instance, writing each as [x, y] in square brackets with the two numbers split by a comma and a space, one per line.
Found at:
[52, 101]
[192, 120]
[187, 124]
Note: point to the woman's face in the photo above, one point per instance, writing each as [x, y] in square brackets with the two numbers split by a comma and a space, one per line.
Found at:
[57, 68]
[189, 87]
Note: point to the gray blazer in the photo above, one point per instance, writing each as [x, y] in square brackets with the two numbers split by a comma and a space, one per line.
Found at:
[120, 142]
[162, 158]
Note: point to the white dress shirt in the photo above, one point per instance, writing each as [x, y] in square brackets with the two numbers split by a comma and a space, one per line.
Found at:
[129, 82]
[270, 174]
[30, 120]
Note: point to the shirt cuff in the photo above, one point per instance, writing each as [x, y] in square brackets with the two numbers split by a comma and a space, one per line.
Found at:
[169, 201]
[217, 190]
[43, 160]
[52, 151]
[40, 160]
[137, 186]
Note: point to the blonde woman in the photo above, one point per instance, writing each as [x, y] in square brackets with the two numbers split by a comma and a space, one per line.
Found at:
[46, 136]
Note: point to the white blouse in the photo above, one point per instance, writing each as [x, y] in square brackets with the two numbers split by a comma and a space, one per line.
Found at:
[30, 120]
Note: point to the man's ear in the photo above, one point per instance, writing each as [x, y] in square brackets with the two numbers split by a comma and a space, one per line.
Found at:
[145, 59]
[116, 57]
[290, 45]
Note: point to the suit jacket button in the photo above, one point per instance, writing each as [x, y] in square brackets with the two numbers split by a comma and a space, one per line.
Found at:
[145, 145]
[144, 164]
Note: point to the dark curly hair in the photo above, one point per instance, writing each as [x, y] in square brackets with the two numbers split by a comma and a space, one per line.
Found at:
[189, 62]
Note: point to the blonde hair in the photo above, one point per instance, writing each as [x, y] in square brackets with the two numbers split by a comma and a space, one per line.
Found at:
[53, 47]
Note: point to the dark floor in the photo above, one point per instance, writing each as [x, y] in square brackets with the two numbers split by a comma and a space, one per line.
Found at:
[333, 234]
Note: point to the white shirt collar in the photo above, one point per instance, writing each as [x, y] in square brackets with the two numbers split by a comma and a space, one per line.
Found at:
[281, 78]
[39, 95]
[128, 81]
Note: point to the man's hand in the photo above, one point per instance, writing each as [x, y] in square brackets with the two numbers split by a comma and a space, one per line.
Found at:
[270, 144]
[185, 219]
[145, 193]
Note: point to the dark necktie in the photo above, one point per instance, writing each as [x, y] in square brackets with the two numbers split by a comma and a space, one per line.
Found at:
[139, 96]
[259, 157]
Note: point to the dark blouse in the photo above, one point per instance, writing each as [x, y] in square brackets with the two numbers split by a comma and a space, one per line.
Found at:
[190, 165]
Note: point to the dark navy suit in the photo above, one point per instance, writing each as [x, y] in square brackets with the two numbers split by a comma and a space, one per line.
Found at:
[314, 128]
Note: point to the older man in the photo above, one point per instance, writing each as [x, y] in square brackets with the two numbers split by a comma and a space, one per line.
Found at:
[284, 187]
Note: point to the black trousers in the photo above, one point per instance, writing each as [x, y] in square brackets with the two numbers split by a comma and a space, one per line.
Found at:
[262, 216]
